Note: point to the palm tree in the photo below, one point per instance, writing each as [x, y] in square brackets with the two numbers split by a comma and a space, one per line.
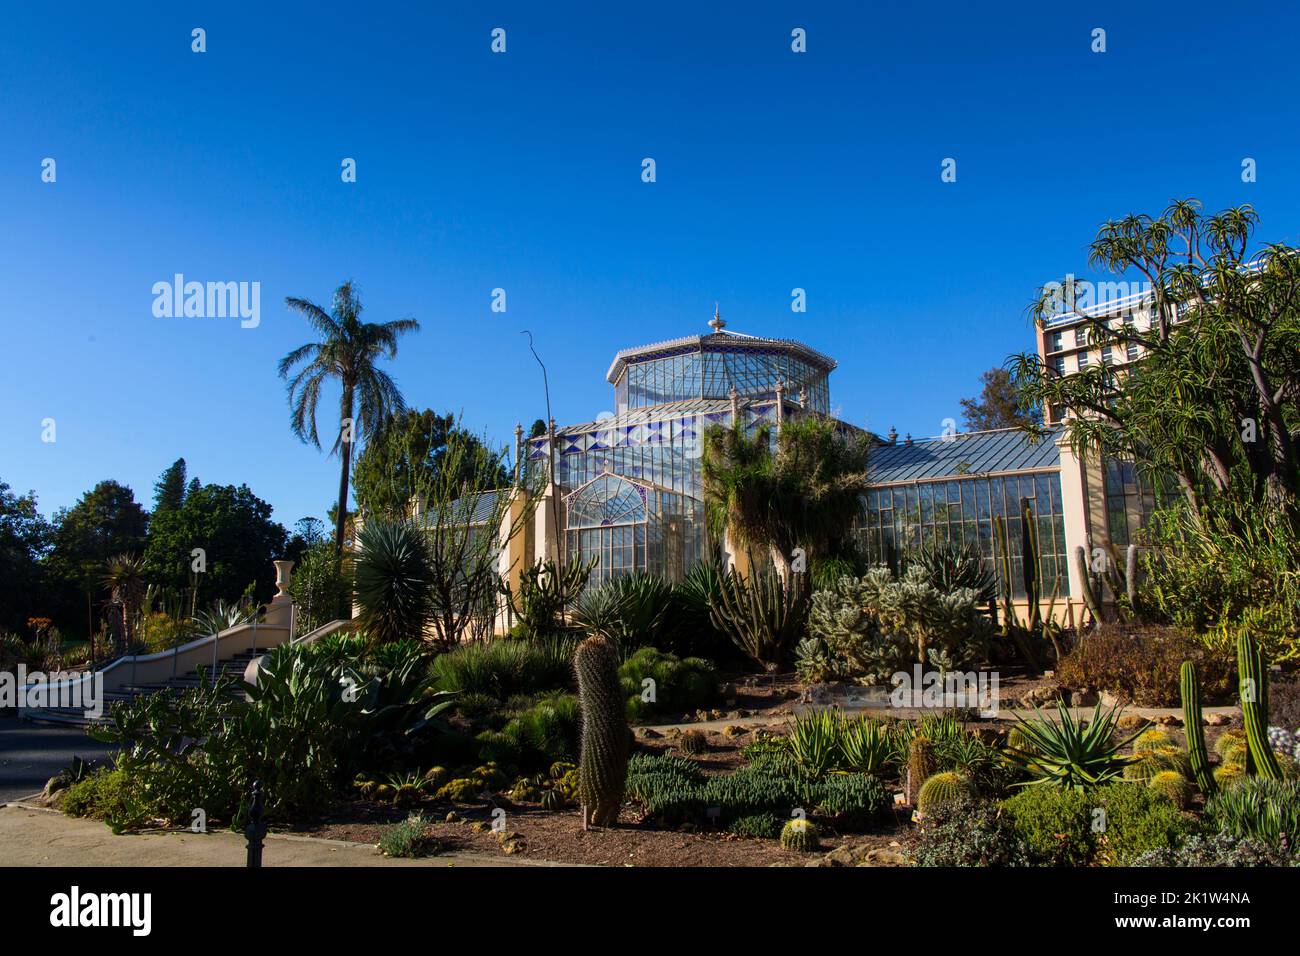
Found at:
[348, 350]
[124, 577]
[804, 495]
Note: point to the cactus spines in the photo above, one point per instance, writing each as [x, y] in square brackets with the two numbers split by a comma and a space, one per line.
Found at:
[1029, 567]
[1173, 785]
[799, 836]
[1229, 774]
[1253, 680]
[1154, 738]
[1231, 745]
[552, 801]
[942, 788]
[921, 765]
[1085, 582]
[1194, 729]
[692, 742]
[604, 741]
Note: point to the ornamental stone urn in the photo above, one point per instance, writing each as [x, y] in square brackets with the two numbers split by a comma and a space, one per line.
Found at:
[283, 571]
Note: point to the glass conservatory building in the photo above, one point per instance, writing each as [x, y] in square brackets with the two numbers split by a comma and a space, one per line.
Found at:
[627, 487]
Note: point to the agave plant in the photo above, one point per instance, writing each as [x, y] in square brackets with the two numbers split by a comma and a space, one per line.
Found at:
[630, 609]
[949, 567]
[815, 741]
[865, 745]
[1071, 753]
[393, 581]
[219, 617]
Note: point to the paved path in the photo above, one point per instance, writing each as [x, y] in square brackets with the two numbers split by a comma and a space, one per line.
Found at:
[30, 836]
[32, 753]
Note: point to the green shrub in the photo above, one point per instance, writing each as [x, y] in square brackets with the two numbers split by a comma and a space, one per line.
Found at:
[971, 832]
[1056, 823]
[410, 838]
[1112, 824]
[679, 685]
[506, 667]
[393, 578]
[105, 794]
[851, 799]
[540, 735]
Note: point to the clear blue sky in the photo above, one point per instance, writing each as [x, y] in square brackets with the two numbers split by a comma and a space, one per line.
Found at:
[522, 171]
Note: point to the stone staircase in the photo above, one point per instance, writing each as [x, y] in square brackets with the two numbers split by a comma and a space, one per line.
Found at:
[233, 666]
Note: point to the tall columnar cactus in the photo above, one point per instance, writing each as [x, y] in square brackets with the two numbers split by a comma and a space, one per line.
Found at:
[1029, 564]
[1085, 582]
[605, 740]
[1195, 730]
[763, 617]
[1252, 677]
[1010, 621]
[921, 765]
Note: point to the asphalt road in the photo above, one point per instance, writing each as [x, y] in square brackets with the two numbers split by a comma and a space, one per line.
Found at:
[32, 753]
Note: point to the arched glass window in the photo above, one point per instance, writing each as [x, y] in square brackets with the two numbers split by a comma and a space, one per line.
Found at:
[607, 500]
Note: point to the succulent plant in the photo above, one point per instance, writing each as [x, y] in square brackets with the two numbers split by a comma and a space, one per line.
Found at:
[1229, 774]
[799, 836]
[553, 801]
[560, 768]
[1153, 738]
[692, 742]
[1174, 786]
[1072, 753]
[605, 736]
[461, 790]
[1017, 740]
[943, 788]
[921, 765]
[1252, 675]
[1197, 757]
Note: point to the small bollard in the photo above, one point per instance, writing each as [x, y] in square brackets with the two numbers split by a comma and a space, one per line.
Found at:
[256, 828]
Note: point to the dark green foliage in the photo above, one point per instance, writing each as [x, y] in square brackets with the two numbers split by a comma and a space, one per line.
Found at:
[605, 735]
[1263, 809]
[632, 610]
[313, 719]
[814, 741]
[762, 616]
[233, 527]
[949, 567]
[105, 794]
[320, 588]
[25, 536]
[971, 832]
[679, 685]
[692, 631]
[1065, 827]
[543, 593]
[506, 667]
[673, 790]
[393, 578]
[762, 825]
[544, 733]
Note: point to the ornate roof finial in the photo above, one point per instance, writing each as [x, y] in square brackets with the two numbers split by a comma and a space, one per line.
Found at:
[717, 323]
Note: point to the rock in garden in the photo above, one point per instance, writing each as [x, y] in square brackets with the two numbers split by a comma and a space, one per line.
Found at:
[649, 734]
[731, 730]
[1132, 722]
[453, 817]
[1039, 696]
[480, 826]
[1169, 720]
[1217, 720]
[884, 856]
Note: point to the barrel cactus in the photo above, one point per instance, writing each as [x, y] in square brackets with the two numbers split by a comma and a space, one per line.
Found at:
[1154, 738]
[921, 765]
[605, 741]
[692, 742]
[552, 801]
[1174, 786]
[799, 836]
[1228, 775]
[942, 788]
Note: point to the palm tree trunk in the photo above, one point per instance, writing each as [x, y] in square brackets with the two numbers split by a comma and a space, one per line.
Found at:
[345, 455]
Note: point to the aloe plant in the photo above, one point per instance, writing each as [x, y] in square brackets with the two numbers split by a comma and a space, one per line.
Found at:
[1071, 753]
